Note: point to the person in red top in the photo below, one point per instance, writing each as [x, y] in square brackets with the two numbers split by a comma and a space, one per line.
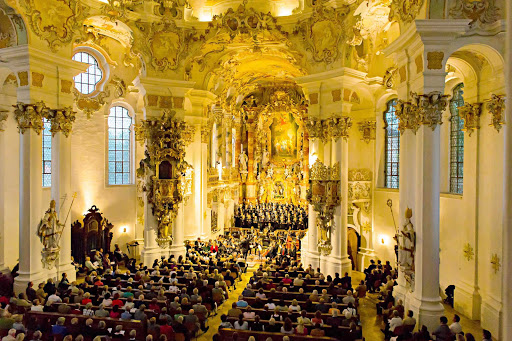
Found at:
[115, 313]
[154, 305]
[214, 248]
[98, 282]
[116, 301]
[167, 330]
[86, 299]
[287, 279]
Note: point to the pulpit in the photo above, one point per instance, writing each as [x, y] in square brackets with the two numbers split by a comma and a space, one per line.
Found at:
[95, 233]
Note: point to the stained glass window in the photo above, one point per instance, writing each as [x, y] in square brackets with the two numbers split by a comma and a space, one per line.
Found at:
[86, 82]
[456, 141]
[119, 146]
[47, 154]
[392, 146]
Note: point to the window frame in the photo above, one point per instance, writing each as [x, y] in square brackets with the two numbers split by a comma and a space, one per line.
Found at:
[391, 104]
[459, 147]
[131, 162]
[102, 64]
[47, 123]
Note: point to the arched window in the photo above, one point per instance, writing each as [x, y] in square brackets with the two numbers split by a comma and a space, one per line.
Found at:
[119, 146]
[47, 154]
[392, 146]
[456, 141]
[87, 82]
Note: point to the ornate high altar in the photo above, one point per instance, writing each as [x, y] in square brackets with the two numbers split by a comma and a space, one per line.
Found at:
[275, 169]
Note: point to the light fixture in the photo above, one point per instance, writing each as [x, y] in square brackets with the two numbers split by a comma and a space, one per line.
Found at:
[383, 239]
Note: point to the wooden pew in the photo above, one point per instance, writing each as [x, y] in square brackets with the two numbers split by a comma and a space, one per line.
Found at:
[243, 335]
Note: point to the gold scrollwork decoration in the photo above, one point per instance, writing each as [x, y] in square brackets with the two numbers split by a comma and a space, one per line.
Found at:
[484, 11]
[408, 118]
[337, 126]
[426, 109]
[367, 128]
[496, 107]
[54, 21]
[30, 116]
[61, 120]
[314, 128]
[89, 105]
[468, 252]
[405, 10]
[470, 114]
[323, 32]
[495, 263]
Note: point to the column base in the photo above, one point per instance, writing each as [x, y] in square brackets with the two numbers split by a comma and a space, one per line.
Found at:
[178, 250]
[467, 300]
[427, 310]
[313, 258]
[333, 264]
[69, 269]
[21, 281]
[365, 256]
[148, 255]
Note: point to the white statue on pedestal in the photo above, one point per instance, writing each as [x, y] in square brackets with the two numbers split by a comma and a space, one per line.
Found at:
[242, 162]
[407, 248]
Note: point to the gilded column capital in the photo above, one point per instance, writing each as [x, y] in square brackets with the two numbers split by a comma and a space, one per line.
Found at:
[187, 134]
[367, 129]
[470, 114]
[206, 130]
[3, 118]
[426, 109]
[338, 126]
[30, 116]
[314, 127]
[408, 116]
[61, 120]
[496, 107]
[431, 107]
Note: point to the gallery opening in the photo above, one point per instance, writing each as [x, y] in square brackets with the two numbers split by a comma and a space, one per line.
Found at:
[255, 170]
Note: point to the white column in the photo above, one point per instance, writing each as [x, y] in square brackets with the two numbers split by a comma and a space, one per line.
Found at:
[30, 211]
[61, 186]
[506, 323]
[425, 299]
[205, 223]
[313, 256]
[151, 250]
[3, 198]
[338, 261]
[178, 233]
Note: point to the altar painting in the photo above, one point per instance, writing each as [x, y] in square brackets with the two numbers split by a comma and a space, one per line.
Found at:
[284, 137]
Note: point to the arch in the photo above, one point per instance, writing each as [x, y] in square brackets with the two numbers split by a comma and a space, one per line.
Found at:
[12, 26]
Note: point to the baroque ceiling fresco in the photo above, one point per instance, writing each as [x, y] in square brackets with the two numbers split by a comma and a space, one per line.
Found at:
[227, 46]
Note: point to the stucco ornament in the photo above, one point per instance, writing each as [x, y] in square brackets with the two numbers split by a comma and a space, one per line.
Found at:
[164, 169]
[484, 11]
[322, 32]
[496, 107]
[408, 117]
[30, 116]
[337, 126]
[469, 252]
[166, 43]
[470, 114]
[116, 9]
[314, 127]
[54, 20]
[495, 263]
[89, 105]
[373, 18]
[324, 195]
[435, 60]
[431, 107]
[367, 128]
[391, 77]
[61, 120]
[3, 118]
[405, 10]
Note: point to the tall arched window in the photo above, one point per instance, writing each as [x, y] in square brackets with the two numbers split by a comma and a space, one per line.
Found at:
[392, 146]
[119, 146]
[47, 154]
[456, 141]
[87, 82]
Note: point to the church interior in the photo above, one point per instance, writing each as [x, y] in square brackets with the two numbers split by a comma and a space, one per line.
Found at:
[255, 170]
